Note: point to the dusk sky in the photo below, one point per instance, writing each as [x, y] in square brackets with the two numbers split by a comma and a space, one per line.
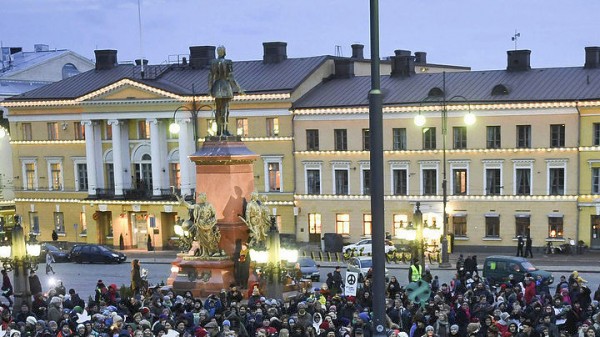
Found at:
[475, 33]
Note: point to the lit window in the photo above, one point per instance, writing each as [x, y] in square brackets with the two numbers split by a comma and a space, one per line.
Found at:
[314, 223]
[59, 222]
[144, 129]
[79, 130]
[555, 226]
[56, 176]
[175, 174]
[242, 127]
[367, 224]
[399, 221]
[342, 223]
[52, 131]
[272, 127]
[272, 171]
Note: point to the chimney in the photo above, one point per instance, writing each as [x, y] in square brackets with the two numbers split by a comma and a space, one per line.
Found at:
[358, 51]
[592, 57]
[344, 68]
[403, 64]
[200, 56]
[274, 52]
[40, 47]
[138, 62]
[420, 57]
[518, 60]
[105, 59]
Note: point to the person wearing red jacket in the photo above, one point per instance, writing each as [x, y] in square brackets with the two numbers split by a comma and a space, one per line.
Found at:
[529, 290]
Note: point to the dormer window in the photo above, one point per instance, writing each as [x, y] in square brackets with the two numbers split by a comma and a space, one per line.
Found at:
[500, 90]
[435, 92]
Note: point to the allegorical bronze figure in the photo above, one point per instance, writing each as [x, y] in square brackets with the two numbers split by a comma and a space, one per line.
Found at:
[221, 85]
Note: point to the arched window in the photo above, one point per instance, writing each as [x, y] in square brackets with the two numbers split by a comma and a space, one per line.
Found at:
[435, 92]
[499, 90]
[69, 70]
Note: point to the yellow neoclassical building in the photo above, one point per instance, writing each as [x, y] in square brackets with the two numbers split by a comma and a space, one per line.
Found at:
[95, 160]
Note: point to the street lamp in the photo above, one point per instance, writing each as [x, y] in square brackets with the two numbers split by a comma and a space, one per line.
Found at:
[174, 127]
[21, 257]
[420, 120]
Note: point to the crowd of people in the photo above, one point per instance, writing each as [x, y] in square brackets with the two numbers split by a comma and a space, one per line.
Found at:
[466, 306]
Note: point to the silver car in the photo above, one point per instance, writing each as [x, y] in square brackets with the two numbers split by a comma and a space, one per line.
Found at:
[362, 265]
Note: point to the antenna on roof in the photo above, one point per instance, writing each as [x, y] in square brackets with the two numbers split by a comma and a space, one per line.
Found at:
[516, 37]
[338, 51]
[141, 41]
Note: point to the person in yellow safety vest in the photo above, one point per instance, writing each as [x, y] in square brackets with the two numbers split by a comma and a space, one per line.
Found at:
[415, 271]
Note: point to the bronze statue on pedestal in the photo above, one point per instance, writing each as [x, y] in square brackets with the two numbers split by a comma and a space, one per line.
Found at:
[205, 227]
[221, 85]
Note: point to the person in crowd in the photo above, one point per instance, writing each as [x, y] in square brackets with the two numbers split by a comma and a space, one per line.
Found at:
[7, 288]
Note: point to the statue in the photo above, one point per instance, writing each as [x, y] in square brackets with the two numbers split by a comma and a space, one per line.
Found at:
[221, 86]
[208, 235]
[266, 212]
[254, 220]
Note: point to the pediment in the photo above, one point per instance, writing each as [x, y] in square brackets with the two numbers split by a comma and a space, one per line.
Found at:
[126, 90]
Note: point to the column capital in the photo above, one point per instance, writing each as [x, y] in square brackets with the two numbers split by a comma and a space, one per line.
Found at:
[153, 120]
[88, 122]
[114, 122]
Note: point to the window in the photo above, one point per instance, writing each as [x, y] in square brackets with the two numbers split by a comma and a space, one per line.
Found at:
[342, 223]
[110, 175]
[596, 135]
[459, 137]
[595, 180]
[523, 181]
[211, 127]
[313, 181]
[399, 139]
[557, 181]
[312, 140]
[55, 176]
[52, 131]
[492, 226]
[367, 224]
[366, 140]
[493, 185]
[34, 222]
[242, 127]
[81, 182]
[312, 177]
[340, 181]
[79, 130]
[429, 139]
[29, 169]
[340, 139]
[522, 225]
[493, 137]
[524, 136]
[69, 70]
[557, 135]
[429, 181]
[175, 174]
[274, 177]
[460, 225]
[272, 127]
[26, 130]
[83, 220]
[459, 181]
[400, 181]
[59, 222]
[143, 130]
[365, 181]
[399, 221]
[555, 226]
[314, 223]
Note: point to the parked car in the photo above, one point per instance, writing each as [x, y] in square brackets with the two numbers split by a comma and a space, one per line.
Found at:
[362, 265]
[367, 247]
[59, 254]
[95, 253]
[497, 268]
[309, 268]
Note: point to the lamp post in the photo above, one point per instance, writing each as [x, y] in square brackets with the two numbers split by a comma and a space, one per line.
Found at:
[21, 257]
[469, 119]
[175, 128]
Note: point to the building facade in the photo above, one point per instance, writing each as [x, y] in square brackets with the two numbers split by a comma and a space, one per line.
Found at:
[95, 160]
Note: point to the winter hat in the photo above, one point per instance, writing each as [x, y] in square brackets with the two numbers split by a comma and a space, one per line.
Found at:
[31, 320]
[364, 316]
[227, 322]
[80, 326]
[402, 334]
[454, 327]
[473, 327]
[429, 328]
[504, 316]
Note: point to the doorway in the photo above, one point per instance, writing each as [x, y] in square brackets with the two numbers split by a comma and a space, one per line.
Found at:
[105, 228]
[595, 235]
[139, 226]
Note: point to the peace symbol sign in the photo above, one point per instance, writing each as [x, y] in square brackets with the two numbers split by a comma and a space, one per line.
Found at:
[351, 279]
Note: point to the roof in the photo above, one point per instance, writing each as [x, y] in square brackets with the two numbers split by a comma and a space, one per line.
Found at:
[548, 84]
[15, 87]
[253, 77]
[24, 60]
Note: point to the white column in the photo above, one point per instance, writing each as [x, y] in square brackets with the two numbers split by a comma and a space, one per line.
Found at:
[90, 156]
[117, 147]
[155, 153]
[184, 152]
